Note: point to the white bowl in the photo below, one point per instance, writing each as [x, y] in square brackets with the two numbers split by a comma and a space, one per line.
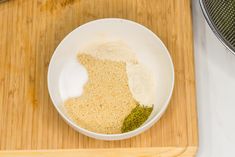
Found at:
[148, 47]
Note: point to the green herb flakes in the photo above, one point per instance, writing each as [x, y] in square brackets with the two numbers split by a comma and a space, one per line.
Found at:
[136, 118]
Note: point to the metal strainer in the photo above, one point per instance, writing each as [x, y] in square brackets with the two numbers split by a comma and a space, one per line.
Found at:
[220, 15]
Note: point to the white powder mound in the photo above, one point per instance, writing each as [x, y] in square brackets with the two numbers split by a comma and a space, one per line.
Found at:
[72, 79]
[114, 51]
[141, 83]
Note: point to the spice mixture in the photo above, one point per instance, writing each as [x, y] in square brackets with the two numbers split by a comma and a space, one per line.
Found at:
[106, 100]
[119, 94]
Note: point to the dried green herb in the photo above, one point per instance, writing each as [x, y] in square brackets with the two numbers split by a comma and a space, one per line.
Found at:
[136, 118]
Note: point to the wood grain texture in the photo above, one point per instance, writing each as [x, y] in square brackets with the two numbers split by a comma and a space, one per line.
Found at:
[30, 30]
[123, 152]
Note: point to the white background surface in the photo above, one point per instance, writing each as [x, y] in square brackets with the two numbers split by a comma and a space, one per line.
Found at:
[215, 79]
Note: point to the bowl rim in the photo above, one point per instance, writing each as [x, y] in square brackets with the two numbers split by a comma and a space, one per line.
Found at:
[120, 136]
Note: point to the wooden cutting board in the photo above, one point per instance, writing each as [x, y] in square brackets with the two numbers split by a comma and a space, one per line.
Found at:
[30, 30]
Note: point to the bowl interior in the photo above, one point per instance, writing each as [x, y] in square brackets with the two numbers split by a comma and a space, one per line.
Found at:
[146, 45]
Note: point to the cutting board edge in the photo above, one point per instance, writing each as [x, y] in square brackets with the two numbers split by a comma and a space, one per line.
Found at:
[123, 152]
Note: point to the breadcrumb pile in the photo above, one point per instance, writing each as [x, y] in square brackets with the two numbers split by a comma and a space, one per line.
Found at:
[106, 99]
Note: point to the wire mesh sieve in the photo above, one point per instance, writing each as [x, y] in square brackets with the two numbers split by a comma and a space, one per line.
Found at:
[220, 15]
